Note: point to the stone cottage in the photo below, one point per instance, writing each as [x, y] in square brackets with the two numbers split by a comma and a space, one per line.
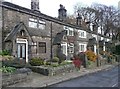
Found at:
[28, 33]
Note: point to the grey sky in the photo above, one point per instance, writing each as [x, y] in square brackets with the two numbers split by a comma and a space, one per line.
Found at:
[50, 7]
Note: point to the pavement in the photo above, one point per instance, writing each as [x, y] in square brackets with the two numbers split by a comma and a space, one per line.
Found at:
[39, 80]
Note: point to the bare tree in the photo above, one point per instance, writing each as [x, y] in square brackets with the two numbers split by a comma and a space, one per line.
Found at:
[105, 17]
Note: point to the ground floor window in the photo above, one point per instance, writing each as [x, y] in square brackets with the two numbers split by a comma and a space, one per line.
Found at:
[71, 48]
[42, 47]
[64, 48]
[82, 47]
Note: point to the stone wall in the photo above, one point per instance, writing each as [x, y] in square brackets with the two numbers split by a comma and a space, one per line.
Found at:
[50, 71]
[10, 79]
[48, 49]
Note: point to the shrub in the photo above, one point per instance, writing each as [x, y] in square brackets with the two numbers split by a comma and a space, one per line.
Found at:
[77, 62]
[36, 61]
[47, 62]
[54, 65]
[55, 59]
[7, 69]
[91, 55]
[7, 57]
[4, 52]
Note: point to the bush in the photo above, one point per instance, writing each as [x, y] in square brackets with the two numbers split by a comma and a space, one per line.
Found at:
[36, 61]
[55, 59]
[7, 69]
[54, 65]
[7, 57]
[4, 52]
[91, 55]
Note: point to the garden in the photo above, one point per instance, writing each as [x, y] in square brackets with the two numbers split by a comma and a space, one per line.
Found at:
[51, 67]
[13, 71]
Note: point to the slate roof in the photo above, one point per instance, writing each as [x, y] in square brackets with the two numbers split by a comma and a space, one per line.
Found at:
[46, 17]
[31, 32]
[14, 31]
[38, 32]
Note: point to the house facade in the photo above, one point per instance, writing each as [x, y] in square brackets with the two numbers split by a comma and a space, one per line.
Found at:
[28, 33]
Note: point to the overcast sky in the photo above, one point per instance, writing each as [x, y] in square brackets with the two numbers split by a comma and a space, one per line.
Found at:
[50, 7]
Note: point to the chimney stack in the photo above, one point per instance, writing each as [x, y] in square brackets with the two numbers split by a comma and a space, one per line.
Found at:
[62, 13]
[79, 19]
[35, 5]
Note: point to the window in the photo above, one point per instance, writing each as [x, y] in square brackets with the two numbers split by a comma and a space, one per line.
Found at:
[71, 48]
[33, 23]
[82, 47]
[34, 47]
[64, 48]
[82, 34]
[70, 31]
[36, 23]
[42, 47]
[41, 24]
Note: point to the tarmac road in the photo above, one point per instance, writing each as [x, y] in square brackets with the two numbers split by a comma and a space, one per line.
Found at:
[105, 78]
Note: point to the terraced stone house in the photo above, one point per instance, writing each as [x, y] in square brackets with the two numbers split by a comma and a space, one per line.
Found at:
[28, 33]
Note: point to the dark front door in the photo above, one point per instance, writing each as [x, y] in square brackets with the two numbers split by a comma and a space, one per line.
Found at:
[21, 50]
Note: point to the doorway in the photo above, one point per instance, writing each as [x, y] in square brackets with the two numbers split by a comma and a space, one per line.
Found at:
[21, 48]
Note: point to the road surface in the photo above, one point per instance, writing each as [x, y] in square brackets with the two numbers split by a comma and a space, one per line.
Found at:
[105, 78]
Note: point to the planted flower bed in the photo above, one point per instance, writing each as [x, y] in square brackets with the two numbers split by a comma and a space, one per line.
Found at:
[51, 67]
[12, 75]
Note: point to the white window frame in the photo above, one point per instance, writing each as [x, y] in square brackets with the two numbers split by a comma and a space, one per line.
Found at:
[82, 44]
[102, 38]
[35, 23]
[64, 51]
[69, 29]
[82, 34]
[71, 47]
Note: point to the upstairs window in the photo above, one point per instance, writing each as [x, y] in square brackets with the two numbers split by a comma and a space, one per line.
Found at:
[36, 23]
[41, 24]
[82, 34]
[70, 31]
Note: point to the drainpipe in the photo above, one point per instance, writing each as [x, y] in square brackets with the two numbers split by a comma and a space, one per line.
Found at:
[51, 55]
[97, 50]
